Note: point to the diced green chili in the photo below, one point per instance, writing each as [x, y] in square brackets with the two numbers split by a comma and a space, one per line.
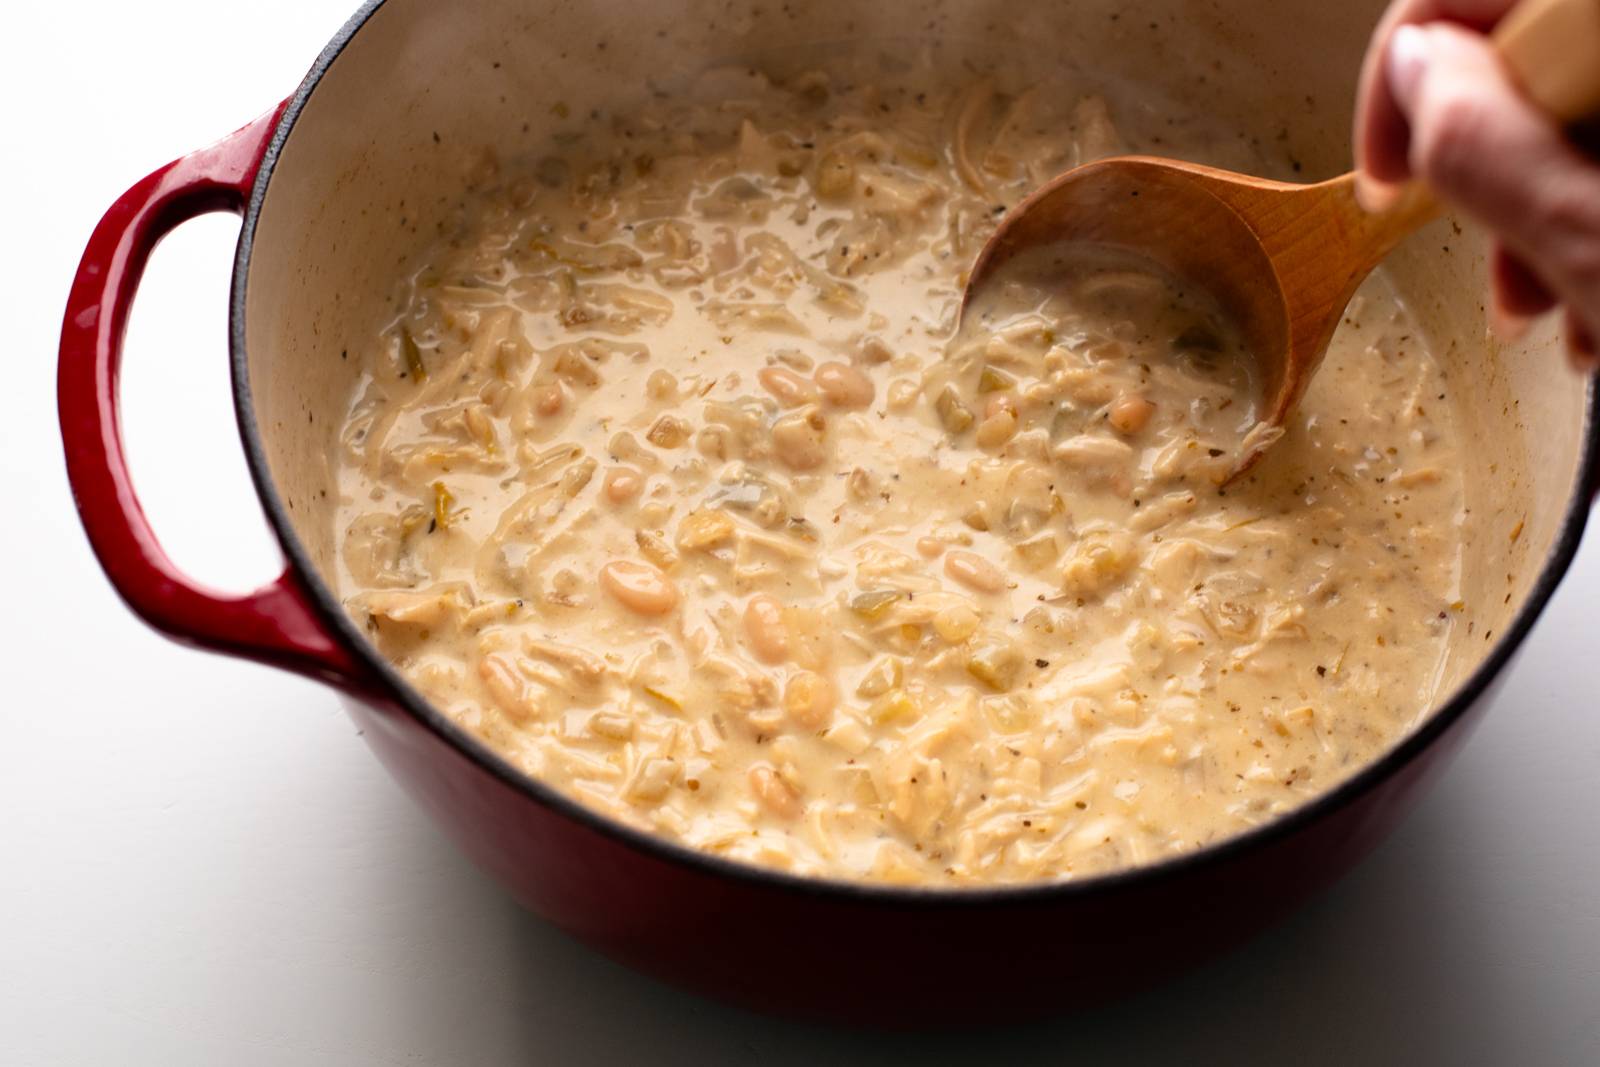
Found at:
[413, 356]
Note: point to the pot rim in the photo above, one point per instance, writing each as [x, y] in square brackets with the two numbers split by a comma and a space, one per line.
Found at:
[343, 629]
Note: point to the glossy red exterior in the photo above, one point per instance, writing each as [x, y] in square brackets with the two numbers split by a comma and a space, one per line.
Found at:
[767, 940]
[882, 959]
[274, 624]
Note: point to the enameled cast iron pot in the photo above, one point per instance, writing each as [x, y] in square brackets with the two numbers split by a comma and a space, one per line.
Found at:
[350, 177]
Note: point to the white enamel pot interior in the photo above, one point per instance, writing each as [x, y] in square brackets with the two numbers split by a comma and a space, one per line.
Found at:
[377, 150]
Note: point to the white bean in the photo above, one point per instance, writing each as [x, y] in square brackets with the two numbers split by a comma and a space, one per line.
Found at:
[797, 439]
[791, 390]
[996, 430]
[765, 627]
[1130, 413]
[622, 484]
[844, 386]
[956, 623]
[639, 587]
[974, 572]
[548, 399]
[661, 385]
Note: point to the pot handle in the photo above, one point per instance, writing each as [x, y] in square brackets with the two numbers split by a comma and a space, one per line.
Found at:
[276, 624]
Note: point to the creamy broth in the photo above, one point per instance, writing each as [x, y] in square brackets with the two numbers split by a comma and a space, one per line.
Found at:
[674, 481]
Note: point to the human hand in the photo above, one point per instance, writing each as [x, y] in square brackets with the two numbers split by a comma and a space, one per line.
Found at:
[1436, 104]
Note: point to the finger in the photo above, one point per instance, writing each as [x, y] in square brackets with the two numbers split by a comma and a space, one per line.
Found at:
[1472, 137]
[1482, 146]
[1381, 129]
[1517, 295]
[1581, 349]
[1380, 133]
[1518, 288]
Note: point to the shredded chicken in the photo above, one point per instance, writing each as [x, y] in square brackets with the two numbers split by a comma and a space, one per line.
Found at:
[672, 481]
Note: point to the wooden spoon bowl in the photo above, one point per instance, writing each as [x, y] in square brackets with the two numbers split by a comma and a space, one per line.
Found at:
[1281, 259]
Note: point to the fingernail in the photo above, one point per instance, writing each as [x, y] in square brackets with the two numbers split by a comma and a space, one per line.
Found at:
[1405, 62]
[1373, 195]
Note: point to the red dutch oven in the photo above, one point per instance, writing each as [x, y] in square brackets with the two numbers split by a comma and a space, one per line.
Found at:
[341, 183]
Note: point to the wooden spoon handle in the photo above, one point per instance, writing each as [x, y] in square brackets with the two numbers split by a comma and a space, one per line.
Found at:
[1373, 235]
[1552, 48]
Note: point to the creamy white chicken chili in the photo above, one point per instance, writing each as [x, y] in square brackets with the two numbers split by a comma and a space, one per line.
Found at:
[673, 481]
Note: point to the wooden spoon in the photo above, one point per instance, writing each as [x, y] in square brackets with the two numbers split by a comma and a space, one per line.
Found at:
[1282, 259]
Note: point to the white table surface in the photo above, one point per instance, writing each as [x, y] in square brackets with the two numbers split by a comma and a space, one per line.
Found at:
[200, 862]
